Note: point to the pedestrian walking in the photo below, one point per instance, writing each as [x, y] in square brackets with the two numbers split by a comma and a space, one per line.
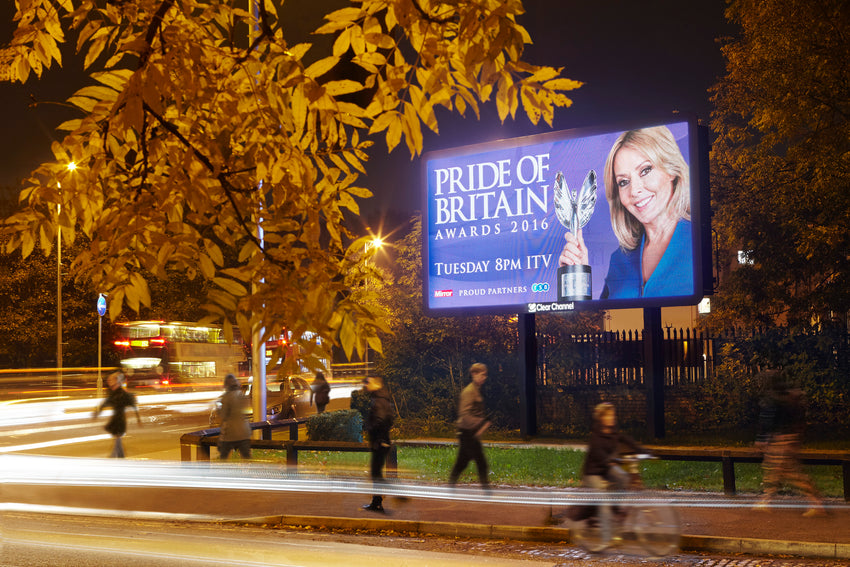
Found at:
[378, 424]
[119, 400]
[235, 430]
[782, 419]
[472, 422]
[320, 391]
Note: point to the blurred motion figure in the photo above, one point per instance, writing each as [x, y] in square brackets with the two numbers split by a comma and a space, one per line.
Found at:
[119, 400]
[600, 469]
[378, 424]
[320, 392]
[235, 430]
[782, 420]
[472, 422]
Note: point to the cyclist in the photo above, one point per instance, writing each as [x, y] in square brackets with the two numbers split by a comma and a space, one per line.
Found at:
[600, 470]
[656, 526]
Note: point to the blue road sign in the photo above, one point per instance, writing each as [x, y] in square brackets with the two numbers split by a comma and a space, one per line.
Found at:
[101, 305]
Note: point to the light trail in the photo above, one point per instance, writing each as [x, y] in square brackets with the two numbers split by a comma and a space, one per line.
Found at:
[45, 429]
[64, 415]
[24, 412]
[41, 470]
[54, 443]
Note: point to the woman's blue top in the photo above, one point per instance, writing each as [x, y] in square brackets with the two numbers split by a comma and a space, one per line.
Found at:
[672, 276]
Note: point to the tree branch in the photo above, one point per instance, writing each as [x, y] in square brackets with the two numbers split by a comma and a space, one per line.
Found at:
[153, 28]
[228, 188]
[425, 15]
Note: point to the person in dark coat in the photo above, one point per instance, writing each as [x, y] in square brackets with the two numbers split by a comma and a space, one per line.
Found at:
[119, 400]
[378, 424]
[472, 422]
[600, 468]
[235, 430]
[320, 392]
[782, 419]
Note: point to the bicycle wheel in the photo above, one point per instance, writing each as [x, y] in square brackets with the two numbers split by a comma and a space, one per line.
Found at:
[657, 528]
[598, 531]
[589, 535]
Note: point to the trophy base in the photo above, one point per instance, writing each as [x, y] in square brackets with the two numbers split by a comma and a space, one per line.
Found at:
[574, 283]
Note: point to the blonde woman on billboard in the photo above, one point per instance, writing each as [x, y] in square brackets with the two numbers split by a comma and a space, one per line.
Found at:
[649, 195]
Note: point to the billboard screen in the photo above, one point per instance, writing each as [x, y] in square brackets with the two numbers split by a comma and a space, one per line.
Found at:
[598, 218]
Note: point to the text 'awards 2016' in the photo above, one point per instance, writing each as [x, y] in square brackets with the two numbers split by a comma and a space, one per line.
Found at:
[574, 211]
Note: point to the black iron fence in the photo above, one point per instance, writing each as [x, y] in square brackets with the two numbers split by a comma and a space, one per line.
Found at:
[616, 358]
[710, 381]
[690, 356]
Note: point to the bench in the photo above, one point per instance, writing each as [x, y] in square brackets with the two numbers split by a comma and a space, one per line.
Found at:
[727, 457]
[205, 439]
[294, 447]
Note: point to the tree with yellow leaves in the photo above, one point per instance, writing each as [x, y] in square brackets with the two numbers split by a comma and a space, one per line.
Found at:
[233, 160]
[780, 165]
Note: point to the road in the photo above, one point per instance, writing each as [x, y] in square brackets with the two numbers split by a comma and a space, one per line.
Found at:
[64, 426]
[34, 540]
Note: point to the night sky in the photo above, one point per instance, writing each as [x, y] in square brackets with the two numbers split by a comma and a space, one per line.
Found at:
[649, 58]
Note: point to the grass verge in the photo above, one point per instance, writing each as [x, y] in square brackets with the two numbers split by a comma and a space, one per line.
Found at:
[546, 466]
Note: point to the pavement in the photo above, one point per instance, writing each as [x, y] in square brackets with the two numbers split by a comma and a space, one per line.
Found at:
[271, 496]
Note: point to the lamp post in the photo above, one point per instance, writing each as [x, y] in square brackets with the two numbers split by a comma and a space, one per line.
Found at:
[70, 167]
[376, 242]
[59, 296]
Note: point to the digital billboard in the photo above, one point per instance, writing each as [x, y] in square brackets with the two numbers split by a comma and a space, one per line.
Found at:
[599, 218]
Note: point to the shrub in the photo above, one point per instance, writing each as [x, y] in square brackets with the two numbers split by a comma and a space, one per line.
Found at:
[361, 402]
[341, 425]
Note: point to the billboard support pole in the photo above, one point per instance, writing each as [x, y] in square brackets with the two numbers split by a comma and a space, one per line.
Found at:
[528, 374]
[653, 370]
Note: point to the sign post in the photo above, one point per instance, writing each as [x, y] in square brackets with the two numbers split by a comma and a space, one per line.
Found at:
[101, 311]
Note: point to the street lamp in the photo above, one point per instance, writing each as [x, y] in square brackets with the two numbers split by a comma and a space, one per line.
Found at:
[376, 242]
[59, 295]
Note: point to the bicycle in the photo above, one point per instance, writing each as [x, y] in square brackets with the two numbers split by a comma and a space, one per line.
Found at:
[605, 524]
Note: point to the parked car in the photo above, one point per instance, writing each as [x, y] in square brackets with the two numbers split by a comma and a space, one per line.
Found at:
[288, 398]
[285, 399]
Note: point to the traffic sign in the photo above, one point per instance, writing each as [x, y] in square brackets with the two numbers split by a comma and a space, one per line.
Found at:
[101, 305]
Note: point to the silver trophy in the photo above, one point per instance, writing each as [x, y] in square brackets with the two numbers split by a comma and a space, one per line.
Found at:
[574, 210]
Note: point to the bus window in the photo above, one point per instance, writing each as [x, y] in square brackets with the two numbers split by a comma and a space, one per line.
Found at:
[178, 355]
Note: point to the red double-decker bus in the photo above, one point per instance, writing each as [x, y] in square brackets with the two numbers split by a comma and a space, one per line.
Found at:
[176, 354]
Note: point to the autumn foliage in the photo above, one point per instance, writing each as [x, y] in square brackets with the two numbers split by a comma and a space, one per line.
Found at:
[208, 143]
[781, 173]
